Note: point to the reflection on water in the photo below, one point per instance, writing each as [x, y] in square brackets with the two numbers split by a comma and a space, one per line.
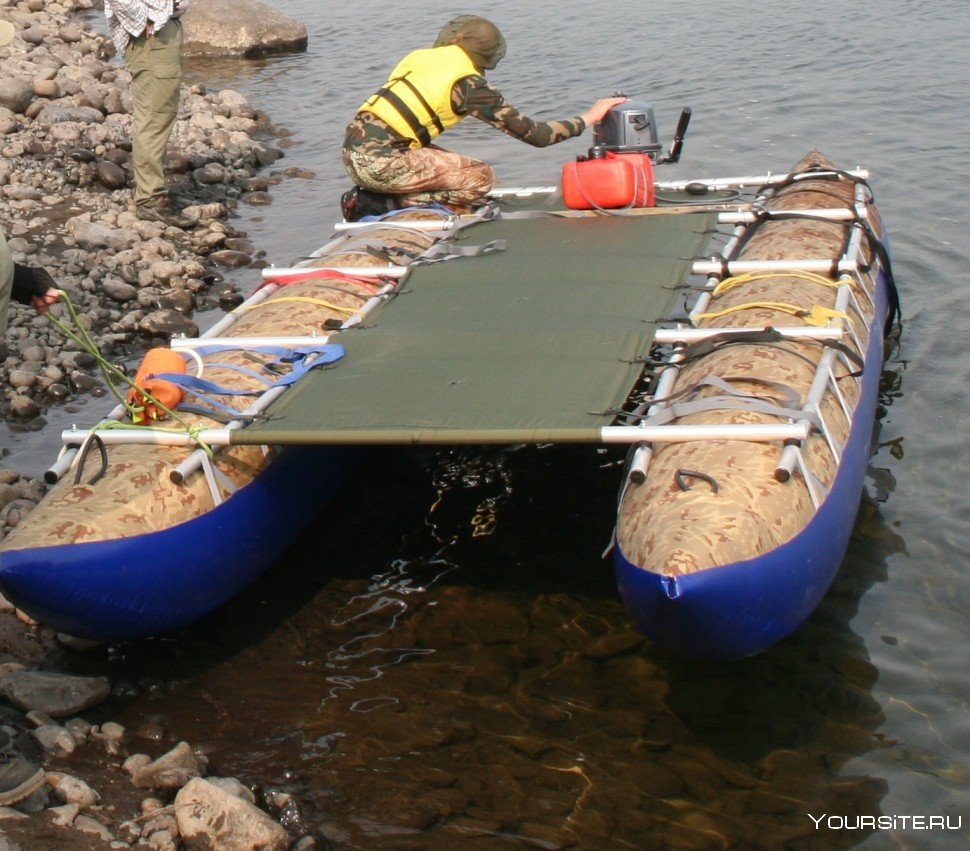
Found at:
[493, 687]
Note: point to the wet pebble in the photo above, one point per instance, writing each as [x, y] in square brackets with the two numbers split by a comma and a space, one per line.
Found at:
[72, 790]
[257, 199]
[24, 408]
[167, 324]
[230, 299]
[230, 259]
[118, 290]
[111, 175]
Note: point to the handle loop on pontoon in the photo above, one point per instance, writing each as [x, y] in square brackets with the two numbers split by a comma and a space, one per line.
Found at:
[681, 477]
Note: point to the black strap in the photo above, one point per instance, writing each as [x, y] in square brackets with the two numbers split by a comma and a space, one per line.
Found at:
[417, 128]
[420, 132]
[427, 106]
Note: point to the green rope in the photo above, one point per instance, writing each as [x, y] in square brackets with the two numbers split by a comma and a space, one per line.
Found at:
[113, 376]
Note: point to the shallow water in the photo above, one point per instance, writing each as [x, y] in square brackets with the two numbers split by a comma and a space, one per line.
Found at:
[417, 685]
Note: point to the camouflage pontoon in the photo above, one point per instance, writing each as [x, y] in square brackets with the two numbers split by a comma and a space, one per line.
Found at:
[749, 421]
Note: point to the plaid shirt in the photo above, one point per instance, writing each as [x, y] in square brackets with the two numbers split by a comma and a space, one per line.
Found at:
[127, 19]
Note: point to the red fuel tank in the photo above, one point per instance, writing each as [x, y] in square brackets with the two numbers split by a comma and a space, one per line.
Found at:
[611, 182]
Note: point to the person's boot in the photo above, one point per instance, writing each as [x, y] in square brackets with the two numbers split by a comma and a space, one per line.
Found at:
[19, 778]
[160, 209]
[356, 203]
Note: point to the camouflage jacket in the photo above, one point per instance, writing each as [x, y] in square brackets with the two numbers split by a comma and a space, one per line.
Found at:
[473, 96]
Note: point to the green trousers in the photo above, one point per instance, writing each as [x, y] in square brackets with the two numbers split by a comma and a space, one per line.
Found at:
[6, 282]
[155, 64]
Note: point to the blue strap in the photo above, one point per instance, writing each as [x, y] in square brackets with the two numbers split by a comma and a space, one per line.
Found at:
[298, 358]
[440, 209]
[244, 370]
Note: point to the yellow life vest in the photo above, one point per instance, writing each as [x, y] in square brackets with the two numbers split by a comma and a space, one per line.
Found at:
[416, 100]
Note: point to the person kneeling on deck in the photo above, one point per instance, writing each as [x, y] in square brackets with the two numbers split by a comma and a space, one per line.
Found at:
[388, 148]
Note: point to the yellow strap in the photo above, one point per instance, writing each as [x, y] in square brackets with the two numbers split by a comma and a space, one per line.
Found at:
[749, 277]
[818, 315]
[348, 311]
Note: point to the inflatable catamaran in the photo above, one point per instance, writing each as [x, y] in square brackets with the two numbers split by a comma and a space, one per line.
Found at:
[748, 419]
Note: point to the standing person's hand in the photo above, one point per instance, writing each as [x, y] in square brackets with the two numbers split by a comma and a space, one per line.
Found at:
[180, 8]
[40, 303]
[599, 109]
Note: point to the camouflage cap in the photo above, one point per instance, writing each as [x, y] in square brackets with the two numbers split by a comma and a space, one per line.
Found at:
[479, 38]
[7, 32]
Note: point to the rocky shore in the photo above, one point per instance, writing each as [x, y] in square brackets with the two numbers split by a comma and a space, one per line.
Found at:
[65, 204]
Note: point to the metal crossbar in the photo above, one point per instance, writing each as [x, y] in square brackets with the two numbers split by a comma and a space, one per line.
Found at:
[824, 381]
[72, 439]
[389, 271]
[792, 332]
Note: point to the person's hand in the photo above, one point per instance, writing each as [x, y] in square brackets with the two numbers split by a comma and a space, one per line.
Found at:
[40, 303]
[599, 109]
[180, 8]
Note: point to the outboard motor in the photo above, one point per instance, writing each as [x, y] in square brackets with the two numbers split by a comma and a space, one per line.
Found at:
[631, 127]
[618, 173]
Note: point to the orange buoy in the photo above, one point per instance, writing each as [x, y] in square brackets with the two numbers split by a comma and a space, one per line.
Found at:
[149, 392]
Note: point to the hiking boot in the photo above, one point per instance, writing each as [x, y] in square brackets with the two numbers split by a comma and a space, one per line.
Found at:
[357, 203]
[19, 778]
[161, 210]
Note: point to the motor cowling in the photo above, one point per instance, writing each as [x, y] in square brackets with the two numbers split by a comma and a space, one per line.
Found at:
[629, 127]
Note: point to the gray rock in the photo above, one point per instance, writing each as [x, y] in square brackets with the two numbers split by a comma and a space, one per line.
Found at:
[46, 89]
[70, 34]
[111, 175]
[118, 290]
[15, 94]
[8, 121]
[24, 408]
[54, 113]
[209, 817]
[33, 35]
[8, 493]
[266, 155]
[233, 787]
[21, 378]
[72, 790]
[56, 694]
[210, 174]
[94, 235]
[64, 816]
[257, 199]
[86, 824]
[240, 28]
[230, 259]
[55, 739]
[167, 323]
[82, 155]
[170, 771]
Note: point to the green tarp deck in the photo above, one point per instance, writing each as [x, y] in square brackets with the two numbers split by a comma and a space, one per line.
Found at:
[528, 345]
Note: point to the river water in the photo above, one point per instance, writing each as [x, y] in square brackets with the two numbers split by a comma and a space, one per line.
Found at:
[413, 684]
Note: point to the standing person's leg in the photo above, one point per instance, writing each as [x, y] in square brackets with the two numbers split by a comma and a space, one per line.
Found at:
[6, 282]
[156, 75]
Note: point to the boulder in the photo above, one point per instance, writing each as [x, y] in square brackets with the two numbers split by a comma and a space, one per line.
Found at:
[243, 28]
[55, 694]
[209, 817]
